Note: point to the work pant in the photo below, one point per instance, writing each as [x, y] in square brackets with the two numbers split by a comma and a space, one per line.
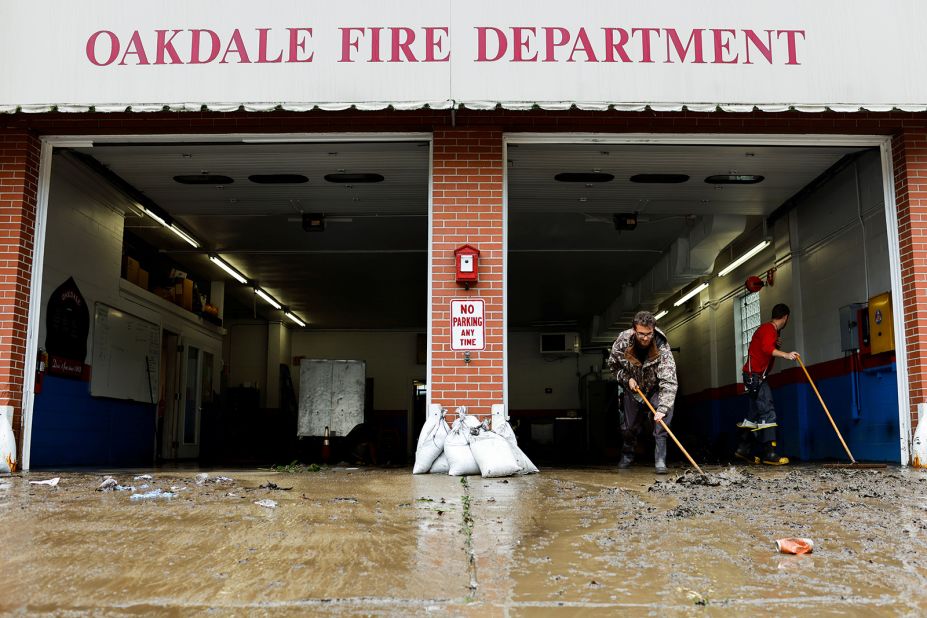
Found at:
[761, 410]
[635, 415]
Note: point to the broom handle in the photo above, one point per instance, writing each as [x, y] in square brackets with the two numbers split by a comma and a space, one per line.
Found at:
[826, 411]
[664, 425]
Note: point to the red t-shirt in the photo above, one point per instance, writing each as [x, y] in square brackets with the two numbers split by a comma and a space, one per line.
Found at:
[761, 348]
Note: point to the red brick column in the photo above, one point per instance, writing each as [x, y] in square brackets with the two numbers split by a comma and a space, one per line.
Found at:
[909, 154]
[467, 202]
[19, 173]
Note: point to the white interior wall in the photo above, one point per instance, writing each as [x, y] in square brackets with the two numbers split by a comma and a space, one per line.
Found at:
[246, 355]
[531, 372]
[83, 240]
[825, 237]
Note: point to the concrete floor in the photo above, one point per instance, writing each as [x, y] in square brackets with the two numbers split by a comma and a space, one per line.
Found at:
[590, 542]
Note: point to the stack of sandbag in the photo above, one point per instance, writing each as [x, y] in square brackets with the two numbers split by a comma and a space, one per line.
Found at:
[468, 447]
[7, 441]
[430, 451]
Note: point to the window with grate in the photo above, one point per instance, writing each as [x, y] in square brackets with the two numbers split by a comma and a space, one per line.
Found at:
[749, 321]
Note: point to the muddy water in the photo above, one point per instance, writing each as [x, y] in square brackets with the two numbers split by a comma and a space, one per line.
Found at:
[386, 543]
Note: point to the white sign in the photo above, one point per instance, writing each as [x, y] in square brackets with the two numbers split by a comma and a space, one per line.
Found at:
[467, 324]
[298, 54]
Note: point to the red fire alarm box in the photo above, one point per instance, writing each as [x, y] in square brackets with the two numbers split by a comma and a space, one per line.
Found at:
[466, 259]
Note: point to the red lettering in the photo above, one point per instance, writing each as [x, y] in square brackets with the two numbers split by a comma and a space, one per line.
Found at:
[375, 44]
[646, 33]
[262, 48]
[92, 48]
[402, 40]
[722, 47]
[551, 44]
[611, 47]
[197, 35]
[298, 44]
[349, 42]
[433, 42]
[582, 44]
[790, 40]
[501, 44]
[239, 49]
[695, 41]
[166, 46]
[520, 42]
[766, 50]
[135, 48]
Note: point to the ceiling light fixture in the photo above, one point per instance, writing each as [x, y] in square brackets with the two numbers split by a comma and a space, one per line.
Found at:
[734, 179]
[746, 256]
[156, 217]
[267, 297]
[240, 278]
[691, 293]
[294, 318]
[660, 315]
[192, 241]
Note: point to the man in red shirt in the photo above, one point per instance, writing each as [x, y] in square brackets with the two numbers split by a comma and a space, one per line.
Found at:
[760, 424]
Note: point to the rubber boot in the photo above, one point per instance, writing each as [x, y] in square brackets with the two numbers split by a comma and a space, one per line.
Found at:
[626, 460]
[770, 457]
[659, 456]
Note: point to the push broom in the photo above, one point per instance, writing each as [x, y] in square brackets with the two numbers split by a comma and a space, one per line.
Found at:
[666, 427]
[853, 463]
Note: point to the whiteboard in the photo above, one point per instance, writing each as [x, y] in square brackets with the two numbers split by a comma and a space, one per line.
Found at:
[126, 356]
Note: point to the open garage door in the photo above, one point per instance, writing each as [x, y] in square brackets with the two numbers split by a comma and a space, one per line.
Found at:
[217, 267]
[599, 231]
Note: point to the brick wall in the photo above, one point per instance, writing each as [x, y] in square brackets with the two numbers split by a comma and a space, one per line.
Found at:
[909, 153]
[19, 168]
[467, 209]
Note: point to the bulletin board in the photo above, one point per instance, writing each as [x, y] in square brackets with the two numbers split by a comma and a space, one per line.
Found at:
[126, 356]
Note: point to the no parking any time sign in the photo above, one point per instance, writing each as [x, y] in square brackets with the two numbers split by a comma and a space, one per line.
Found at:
[467, 324]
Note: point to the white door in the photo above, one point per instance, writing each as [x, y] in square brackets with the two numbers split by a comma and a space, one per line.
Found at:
[196, 391]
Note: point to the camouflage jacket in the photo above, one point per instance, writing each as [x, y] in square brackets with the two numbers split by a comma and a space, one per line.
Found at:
[657, 372]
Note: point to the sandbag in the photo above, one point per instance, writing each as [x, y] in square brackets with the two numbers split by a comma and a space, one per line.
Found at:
[493, 454]
[440, 466]
[527, 467]
[459, 456]
[430, 444]
[7, 442]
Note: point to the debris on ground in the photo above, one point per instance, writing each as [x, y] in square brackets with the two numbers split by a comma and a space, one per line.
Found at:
[155, 493]
[270, 504]
[142, 477]
[690, 478]
[50, 482]
[795, 545]
[201, 478]
[274, 487]
[108, 484]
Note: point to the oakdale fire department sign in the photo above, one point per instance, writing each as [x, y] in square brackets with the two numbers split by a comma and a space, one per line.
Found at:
[467, 324]
[301, 54]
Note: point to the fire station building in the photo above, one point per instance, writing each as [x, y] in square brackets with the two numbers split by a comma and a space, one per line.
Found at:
[216, 215]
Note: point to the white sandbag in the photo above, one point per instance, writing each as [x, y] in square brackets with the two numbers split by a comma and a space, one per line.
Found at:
[527, 467]
[493, 454]
[7, 441]
[440, 466]
[459, 456]
[430, 445]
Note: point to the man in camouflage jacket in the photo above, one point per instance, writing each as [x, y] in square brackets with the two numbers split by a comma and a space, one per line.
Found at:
[641, 358]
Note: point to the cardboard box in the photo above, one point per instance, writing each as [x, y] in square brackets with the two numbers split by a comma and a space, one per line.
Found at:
[187, 295]
[143, 278]
[132, 267]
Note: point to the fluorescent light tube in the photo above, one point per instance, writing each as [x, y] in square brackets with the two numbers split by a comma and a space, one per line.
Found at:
[237, 276]
[691, 293]
[746, 256]
[184, 235]
[660, 315]
[155, 217]
[293, 317]
[270, 299]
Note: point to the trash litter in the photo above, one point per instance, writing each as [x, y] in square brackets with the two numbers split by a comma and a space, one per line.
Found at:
[274, 486]
[7, 443]
[794, 545]
[50, 482]
[223, 479]
[124, 488]
[270, 504]
[201, 478]
[108, 484]
[431, 440]
[154, 493]
[142, 477]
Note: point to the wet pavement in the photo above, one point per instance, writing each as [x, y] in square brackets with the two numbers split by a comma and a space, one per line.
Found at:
[360, 542]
